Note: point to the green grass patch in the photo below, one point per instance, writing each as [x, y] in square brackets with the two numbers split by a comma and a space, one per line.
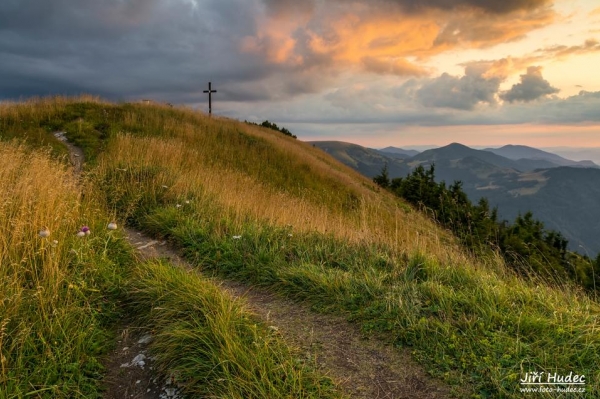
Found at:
[211, 344]
[469, 327]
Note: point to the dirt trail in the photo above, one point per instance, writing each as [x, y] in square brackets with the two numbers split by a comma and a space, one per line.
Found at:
[75, 153]
[363, 368]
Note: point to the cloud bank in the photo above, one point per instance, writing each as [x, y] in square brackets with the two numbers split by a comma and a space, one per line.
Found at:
[326, 61]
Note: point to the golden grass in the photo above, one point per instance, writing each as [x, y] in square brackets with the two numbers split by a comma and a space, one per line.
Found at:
[35, 193]
[50, 299]
[364, 215]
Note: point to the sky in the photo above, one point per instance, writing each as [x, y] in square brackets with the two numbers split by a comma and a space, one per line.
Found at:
[375, 72]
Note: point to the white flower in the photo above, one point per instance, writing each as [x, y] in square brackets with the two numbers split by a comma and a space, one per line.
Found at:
[187, 202]
[178, 206]
[237, 237]
[290, 235]
[112, 226]
[80, 234]
[44, 233]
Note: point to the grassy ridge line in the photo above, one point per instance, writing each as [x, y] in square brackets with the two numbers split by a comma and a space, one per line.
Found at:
[271, 168]
[211, 344]
[61, 296]
[469, 321]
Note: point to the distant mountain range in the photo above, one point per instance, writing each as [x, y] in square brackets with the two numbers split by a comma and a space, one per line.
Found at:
[399, 152]
[365, 160]
[521, 152]
[562, 193]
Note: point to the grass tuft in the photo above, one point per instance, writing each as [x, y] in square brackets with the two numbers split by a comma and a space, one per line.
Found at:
[211, 345]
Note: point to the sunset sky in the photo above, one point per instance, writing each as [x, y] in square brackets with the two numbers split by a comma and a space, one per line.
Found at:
[376, 73]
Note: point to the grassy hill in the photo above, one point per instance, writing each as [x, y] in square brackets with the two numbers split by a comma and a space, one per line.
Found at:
[251, 204]
[365, 160]
[563, 198]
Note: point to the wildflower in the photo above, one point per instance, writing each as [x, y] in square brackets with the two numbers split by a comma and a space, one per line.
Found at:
[237, 237]
[86, 230]
[80, 234]
[44, 233]
[290, 235]
[187, 202]
[112, 226]
[178, 206]
[54, 243]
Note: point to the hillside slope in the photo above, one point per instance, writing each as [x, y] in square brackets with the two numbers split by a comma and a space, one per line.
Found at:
[254, 205]
[365, 160]
[512, 185]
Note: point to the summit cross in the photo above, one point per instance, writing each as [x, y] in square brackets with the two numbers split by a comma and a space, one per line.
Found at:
[210, 91]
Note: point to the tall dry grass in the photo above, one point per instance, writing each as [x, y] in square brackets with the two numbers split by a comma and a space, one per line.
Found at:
[356, 211]
[51, 305]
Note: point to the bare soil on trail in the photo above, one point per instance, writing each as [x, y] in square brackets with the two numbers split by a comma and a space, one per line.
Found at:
[75, 153]
[130, 371]
[364, 368]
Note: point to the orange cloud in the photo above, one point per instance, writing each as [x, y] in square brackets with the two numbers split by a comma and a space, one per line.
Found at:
[379, 36]
[399, 67]
[589, 46]
[275, 38]
[504, 67]
[479, 30]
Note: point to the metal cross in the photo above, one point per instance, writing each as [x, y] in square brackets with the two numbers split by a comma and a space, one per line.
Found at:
[210, 91]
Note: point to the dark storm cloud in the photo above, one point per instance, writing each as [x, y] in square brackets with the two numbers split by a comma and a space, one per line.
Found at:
[532, 87]
[123, 48]
[250, 49]
[75, 18]
[289, 7]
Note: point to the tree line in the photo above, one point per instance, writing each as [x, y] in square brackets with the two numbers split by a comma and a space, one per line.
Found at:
[526, 245]
[273, 126]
